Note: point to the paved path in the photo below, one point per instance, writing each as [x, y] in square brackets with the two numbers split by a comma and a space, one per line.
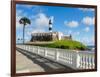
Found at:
[29, 62]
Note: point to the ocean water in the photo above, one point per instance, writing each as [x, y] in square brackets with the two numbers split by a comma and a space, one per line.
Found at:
[92, 48]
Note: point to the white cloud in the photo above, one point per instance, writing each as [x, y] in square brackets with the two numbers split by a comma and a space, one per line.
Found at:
[87, 29]
[18, 37]
[86, 9]
[88, 20]
[41, 20]
[52, 18]
[85, 40]
[28, 33]
[37, 9]
[18, 25]
[88, 41]
[77, 33]
[70, 32]
[93, 40]
[18, 12]
[38, 24]
[71, 23]
[19, 15]
[38, 31]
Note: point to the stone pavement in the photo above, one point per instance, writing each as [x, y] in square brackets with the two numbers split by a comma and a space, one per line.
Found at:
[29, 62]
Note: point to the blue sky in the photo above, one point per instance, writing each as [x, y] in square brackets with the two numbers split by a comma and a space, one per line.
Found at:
[79, 22]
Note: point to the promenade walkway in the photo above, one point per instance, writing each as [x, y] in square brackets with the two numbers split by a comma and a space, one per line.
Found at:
[29, 62]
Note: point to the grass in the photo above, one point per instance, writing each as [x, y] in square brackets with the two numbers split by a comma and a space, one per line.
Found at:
[65, 44]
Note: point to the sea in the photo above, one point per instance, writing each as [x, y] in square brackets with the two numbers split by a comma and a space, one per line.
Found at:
[92, 48]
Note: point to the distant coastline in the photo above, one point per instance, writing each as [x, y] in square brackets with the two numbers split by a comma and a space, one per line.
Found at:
[91, 47]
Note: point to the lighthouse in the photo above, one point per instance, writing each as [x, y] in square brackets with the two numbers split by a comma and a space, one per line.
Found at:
[50, 23]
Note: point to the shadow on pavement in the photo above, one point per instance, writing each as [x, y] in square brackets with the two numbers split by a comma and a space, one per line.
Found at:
[46, 64]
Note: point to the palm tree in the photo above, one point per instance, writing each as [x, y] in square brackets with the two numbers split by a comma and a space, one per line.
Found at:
[24, 21]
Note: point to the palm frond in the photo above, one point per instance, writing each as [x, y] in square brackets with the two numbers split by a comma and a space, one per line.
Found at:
[25, 21]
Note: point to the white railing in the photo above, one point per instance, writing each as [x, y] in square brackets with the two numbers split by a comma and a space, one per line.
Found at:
[70, 58]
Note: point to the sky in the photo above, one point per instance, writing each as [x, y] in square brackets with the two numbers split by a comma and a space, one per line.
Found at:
[79, 22]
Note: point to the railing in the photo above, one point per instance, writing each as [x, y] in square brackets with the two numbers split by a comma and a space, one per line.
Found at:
[70, 58]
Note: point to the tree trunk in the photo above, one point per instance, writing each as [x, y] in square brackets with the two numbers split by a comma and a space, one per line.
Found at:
[23, 33]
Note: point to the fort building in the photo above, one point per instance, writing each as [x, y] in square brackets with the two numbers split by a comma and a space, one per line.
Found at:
[49, 36]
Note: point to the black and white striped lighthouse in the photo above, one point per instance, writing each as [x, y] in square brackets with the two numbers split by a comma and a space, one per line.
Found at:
[50, 24]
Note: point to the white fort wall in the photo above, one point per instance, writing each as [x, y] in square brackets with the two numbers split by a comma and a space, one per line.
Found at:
[49, 35]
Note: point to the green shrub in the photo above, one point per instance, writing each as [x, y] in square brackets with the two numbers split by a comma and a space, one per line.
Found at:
[65, 44]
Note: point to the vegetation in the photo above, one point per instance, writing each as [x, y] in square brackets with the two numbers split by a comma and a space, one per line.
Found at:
[65, 44]
[24, 21]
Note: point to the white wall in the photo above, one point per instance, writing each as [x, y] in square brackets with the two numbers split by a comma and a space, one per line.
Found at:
[5, 38]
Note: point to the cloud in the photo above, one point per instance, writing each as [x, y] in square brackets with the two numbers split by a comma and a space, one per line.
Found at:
[77, 33]
[41, 20]
[88, 20]
[18, 25]
[85, 40]
[71, 24]
[38, 9]
[52, 18]
[18, 37]
[74, 33]
[93, 40]
[38, 31]
[19, 15]
[70, 32]
[87, 29]
[40, 23]
[86, 9]
[28, 33]
[88, 41]
[19, 12]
